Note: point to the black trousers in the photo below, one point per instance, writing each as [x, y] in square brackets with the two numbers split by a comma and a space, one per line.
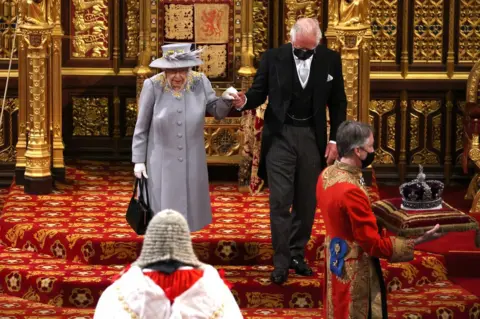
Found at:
[293, 164]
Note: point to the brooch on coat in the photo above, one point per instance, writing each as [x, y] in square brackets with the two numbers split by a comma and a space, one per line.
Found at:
[338, 251]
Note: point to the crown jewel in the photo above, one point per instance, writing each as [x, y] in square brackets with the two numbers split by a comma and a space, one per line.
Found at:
[421, 193]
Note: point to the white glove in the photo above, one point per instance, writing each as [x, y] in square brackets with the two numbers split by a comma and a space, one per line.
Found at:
[230, 94]
[140, 170]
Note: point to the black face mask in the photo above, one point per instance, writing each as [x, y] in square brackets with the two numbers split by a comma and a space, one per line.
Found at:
[368, 160]
[303, 54]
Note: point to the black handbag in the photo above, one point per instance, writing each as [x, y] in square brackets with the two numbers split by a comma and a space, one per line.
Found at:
[139, 212]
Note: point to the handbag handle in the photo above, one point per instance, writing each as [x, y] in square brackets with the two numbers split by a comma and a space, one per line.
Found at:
[143, 186]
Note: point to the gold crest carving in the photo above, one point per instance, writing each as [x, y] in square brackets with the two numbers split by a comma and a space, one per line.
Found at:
[211, 23]
[179, 22]
[90, 116]
[91, 33]
[214, 61]
[384, 15]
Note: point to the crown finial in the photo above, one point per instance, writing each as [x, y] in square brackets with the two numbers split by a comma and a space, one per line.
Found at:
[421, 176]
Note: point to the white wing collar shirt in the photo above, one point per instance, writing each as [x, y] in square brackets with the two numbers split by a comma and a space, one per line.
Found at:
[303, 69]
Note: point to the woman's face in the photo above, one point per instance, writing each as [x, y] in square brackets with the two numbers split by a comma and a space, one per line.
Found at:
[176, 77]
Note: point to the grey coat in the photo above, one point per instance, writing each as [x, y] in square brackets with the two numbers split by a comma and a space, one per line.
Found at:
[169, 138]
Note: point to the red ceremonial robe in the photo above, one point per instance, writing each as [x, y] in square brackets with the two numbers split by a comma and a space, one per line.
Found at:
[352, 288]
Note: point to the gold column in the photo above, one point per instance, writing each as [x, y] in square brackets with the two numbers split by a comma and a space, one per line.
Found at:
[56, 90]
[402, 162]
[404, 55]
[21, 146]
[448, 138]
[349, 33]
[451, 40]
[116, 37]
[246, 72]
[142, 70]
[38, 179]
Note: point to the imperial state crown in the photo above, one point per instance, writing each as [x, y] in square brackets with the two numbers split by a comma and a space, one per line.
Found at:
[421, 193]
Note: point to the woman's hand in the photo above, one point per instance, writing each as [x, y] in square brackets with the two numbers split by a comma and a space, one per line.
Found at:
[140, 170]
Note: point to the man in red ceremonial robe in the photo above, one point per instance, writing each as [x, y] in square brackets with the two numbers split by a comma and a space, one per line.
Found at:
[354, 286]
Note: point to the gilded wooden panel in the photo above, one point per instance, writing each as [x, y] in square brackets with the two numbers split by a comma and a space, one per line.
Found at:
[425, 131]
[90, 29]
[215, 60]
[295, 9]
[222, 139]
[260, 27]
[8, 18]
[130, 116]
[213, 25]
[383, 118]
[132, 22]
[428, 29]
[384, 15]
[459, 132]
[90, 116]
[8, 133]
[469, 31]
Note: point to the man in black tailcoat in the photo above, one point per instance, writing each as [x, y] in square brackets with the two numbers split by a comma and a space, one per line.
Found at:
[301, 79]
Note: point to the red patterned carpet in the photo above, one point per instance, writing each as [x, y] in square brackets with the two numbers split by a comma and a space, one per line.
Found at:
[59, 252]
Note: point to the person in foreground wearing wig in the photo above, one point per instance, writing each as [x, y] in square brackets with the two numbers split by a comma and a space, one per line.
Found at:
[168, 145]
[167, 280]
[354, 286]
[301, 79]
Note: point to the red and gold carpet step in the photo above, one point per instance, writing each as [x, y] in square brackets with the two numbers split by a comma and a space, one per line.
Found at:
[431, 301]
[18, 308]
[63, 283]
[84, 221]
[66, 247]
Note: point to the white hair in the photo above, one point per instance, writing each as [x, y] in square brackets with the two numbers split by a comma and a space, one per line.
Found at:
[306, 26]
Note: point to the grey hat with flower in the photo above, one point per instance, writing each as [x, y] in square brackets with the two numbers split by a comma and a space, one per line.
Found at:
[177, 56]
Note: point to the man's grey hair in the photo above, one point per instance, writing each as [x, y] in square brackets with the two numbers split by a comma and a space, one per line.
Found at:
[306, 26]
[350, 135]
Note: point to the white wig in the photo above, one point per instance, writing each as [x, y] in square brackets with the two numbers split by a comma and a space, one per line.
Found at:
[306, 26]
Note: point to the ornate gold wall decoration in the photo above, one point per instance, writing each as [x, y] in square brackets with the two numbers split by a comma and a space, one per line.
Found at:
[179, 22]
[130, 116]
[424, 110]
[459, 126]
[7, 144]
[428, 30]
[90, 29]
[214, 61]
[384, 15]
[469, 31]
[414, 131]
[211, 23]
[90, 116]
[349, 32]
[260, 27]
[295, 9]
[223, 140]
[437, 132]
[383, 112]
[133, 28]
[214, 22]
[8, 16]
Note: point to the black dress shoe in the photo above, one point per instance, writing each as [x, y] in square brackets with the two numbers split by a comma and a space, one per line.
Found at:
[279, 276]
[301, 267]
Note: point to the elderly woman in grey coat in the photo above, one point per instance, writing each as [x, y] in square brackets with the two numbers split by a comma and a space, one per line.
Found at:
[168, 144]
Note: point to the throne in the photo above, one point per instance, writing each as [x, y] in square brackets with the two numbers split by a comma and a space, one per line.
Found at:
[471, 143]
